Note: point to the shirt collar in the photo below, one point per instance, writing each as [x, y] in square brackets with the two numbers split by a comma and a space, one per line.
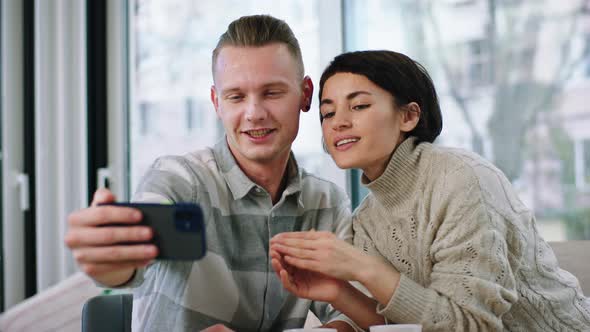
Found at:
[239, 184]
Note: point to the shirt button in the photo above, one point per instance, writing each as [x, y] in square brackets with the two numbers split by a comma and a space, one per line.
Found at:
[258, 190]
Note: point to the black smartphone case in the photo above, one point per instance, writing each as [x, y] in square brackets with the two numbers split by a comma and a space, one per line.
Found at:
[179, 230]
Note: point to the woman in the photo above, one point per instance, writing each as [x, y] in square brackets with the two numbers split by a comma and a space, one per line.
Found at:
[442, 239]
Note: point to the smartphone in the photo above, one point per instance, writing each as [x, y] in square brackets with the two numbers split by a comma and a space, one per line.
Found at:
[179, 230]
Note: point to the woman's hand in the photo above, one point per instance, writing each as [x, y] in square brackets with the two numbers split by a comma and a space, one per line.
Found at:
[321, 252]
[316, 285]
[306, 284]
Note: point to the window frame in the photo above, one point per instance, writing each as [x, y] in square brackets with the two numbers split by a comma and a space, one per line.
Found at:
[13, 152]
[120, 93]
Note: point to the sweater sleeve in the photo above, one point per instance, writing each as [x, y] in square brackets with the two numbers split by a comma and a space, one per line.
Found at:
[471, 285]
[361, 238]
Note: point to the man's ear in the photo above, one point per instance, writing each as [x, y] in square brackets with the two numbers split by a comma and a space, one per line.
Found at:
[307, 89]
[410, 115]
[214, 98]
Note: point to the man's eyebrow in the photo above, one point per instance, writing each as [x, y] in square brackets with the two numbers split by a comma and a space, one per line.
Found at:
[230, 90]
[276, 84]
[349, 96]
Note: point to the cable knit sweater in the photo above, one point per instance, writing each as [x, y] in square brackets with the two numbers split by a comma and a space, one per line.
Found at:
[468, 250]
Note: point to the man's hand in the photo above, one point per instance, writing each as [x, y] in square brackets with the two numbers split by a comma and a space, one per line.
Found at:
[102, 248]
[217, 328]
[340, 326]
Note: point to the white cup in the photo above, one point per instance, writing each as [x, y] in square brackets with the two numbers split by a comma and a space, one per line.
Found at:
[311, 329]
[397, 328]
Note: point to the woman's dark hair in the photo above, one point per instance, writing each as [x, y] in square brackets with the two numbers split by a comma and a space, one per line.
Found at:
[405, 79]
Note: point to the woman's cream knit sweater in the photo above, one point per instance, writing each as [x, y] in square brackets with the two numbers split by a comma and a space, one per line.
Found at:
[468, 250]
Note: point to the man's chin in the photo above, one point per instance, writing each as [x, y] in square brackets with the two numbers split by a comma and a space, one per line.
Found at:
[262, 157]
[259, 154]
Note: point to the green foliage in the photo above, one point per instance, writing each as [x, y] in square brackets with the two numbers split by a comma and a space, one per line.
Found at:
[577, 224]
[564, 147]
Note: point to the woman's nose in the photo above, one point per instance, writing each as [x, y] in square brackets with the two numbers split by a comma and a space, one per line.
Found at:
[341, 121]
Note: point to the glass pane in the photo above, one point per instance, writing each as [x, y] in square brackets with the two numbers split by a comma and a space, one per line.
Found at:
[172, 112]
[1, 167]
[512, 78]
[586, 161]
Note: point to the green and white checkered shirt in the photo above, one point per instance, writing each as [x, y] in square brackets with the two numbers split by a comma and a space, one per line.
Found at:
[234, 284]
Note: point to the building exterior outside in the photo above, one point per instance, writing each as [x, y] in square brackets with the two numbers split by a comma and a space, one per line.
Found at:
[513, 78]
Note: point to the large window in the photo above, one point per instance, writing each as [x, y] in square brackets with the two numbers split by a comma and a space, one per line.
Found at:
[511, 77]
[582, 155]
[172, 42]
[1, 177]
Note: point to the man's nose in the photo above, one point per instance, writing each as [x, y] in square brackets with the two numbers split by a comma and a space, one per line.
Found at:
[255, 110]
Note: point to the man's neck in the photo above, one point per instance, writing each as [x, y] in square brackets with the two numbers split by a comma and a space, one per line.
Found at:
[269, 174]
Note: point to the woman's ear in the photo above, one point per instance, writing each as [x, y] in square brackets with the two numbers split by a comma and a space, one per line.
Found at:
[410, 115]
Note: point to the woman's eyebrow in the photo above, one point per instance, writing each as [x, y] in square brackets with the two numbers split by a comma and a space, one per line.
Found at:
[352, 95]
[349, 96]
[326, 101]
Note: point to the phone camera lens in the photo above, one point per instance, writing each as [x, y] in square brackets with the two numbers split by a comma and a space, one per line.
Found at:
[185, 221]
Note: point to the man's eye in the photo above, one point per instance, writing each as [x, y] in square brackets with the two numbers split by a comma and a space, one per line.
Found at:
[274, 93]
[235, 98]
[361, 107]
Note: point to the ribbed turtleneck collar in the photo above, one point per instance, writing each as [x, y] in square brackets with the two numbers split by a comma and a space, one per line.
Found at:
[398, 181]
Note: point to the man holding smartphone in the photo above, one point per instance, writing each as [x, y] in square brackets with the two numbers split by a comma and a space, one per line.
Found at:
[249, 188]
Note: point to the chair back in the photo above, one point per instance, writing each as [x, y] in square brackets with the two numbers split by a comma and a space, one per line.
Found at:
[573, 257]
[107, 313]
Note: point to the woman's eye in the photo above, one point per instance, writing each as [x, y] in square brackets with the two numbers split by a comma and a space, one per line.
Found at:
[328, 115]
[361, 107]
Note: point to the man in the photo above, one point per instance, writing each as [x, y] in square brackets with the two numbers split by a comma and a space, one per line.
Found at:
[250, 188]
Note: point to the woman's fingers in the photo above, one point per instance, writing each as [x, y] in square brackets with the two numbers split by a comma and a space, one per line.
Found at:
[284, 275]
[280, 267]
[304, 264]
[294, 251]
[277, 266]
[298, 243]
[287, 282]
[308, 235]
[274, 253]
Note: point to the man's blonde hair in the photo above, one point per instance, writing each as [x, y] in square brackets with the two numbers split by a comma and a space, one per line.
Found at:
[256, 31]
